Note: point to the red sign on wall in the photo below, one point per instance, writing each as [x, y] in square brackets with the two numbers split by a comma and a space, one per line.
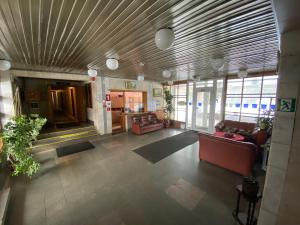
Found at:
[107, 97]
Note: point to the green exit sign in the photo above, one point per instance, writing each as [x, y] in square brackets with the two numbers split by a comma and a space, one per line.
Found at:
[286, 105]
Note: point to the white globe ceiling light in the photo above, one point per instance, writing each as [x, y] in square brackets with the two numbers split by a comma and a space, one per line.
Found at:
[217, 63]
[166, 74]
[112, 64]
[92, 73]
[242, 73]
[164, 38]
[140, 78]
[4, 65]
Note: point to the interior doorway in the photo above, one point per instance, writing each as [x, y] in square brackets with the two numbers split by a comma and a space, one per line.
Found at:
[67, 105]
[125, 102]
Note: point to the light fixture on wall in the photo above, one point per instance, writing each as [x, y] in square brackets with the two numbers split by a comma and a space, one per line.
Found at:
[164, 38]
[140, 78]
[217, 63]
[242, 73]
[112, 63]
[166, 74]
[4, 65]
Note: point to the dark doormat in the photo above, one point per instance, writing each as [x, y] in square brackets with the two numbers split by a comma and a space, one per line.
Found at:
[74, 148]
[159, 150]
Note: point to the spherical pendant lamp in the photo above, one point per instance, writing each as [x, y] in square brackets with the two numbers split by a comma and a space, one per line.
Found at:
[92, 73]
[164, 38]
[112, 64]
[4, 65]
[140, 78]
[166, 74]
[242, 73]
[217, 63]
[170, 82]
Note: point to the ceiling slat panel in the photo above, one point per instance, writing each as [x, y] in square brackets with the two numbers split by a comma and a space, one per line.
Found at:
[70, 35]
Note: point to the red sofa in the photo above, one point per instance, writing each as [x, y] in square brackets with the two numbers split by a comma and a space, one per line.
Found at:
[233, 155]
[249, 130]
[146, 123]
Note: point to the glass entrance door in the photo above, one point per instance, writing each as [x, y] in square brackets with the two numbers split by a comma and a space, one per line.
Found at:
[204, 109]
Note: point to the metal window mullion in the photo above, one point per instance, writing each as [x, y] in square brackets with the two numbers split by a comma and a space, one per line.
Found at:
[242, 98]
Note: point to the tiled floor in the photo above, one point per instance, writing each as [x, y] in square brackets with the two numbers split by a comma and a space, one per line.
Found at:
[111, 185]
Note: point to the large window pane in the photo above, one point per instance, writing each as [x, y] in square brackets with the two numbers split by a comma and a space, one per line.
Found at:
[234, 86]
[249, 98]
[269, 85]
[252, 85]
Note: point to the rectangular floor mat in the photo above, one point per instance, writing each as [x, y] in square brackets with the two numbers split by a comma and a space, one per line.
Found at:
[159, 150]
[74, 148]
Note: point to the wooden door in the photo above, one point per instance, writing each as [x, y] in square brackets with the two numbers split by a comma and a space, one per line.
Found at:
[81, 103]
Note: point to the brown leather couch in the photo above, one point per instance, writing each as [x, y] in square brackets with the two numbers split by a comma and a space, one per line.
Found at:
[248, 130]
[233, 155]
[146, 123]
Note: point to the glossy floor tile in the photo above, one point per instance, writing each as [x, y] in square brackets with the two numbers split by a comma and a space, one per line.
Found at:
[112, 185]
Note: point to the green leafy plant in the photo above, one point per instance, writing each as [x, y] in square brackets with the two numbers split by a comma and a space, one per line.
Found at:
[169, 103]
[265, 122]
[18, 135]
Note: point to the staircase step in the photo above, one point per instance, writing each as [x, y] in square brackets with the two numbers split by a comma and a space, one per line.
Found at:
[68, 131]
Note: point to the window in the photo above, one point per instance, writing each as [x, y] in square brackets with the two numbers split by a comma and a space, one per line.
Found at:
[179, 93]
[250, 98]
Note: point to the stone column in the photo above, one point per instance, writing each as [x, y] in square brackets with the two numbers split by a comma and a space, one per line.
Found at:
[281, 196]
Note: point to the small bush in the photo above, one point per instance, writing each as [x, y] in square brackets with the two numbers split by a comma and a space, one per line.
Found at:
[18, 135]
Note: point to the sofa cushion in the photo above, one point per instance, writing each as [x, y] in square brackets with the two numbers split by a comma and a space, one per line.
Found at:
[136, 119]
[144, 121]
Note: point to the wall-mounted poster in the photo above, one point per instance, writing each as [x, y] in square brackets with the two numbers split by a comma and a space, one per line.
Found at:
[130, 84]
[157, 92]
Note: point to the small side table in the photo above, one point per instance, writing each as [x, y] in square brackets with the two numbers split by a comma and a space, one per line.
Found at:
[246, 218]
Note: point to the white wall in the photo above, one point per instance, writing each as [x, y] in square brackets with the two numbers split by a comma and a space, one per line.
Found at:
[6, 97]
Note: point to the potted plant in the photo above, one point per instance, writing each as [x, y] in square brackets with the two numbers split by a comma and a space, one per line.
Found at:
[18, 135]
[169, 107]
[265, 124]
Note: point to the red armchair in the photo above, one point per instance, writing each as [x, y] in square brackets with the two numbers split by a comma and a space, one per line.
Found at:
[233, 155]
[146, 123]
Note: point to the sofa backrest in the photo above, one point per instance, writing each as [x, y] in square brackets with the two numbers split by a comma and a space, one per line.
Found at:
[233, 155]
[240, 125]
[145, 118]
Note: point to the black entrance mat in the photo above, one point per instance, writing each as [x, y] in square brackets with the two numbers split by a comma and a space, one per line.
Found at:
[74, 148]
[159, 150]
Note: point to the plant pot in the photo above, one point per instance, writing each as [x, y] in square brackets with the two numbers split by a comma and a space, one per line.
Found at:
[250, 187]
[261, 138]
[167, 123]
